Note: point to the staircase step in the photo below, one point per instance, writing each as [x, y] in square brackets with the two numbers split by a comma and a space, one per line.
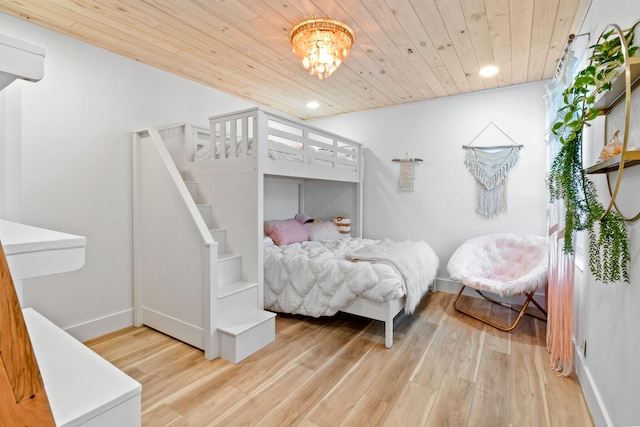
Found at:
[234, 288]
[192, 186]
[220, 236]
[229, 268]
[238, 299]
[246, 335]
[206, 212]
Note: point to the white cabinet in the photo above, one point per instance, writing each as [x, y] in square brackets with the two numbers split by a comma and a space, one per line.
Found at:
[83, 388]
[33, 251]
[19, 60]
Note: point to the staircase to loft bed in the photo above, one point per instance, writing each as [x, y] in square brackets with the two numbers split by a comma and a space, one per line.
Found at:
[243, 326]
[187, 284]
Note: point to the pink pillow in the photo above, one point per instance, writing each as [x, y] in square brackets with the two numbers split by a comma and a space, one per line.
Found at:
[286, 231]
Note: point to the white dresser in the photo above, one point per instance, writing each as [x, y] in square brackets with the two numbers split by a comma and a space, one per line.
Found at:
[83, 388]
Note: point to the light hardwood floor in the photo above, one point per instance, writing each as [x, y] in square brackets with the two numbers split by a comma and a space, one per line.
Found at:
[444, 369]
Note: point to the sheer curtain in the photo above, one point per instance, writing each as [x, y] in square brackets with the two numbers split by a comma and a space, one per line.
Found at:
[561, 265]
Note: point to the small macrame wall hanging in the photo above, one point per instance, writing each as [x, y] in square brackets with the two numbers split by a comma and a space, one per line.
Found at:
[407, 172]
[490, 166]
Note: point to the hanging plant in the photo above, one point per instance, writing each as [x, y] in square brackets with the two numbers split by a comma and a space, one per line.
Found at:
[608, 237]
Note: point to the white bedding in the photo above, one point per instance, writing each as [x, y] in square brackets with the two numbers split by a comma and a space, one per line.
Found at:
[319, 278]
[204, 153]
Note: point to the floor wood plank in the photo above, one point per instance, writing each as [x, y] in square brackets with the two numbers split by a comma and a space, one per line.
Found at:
[444, 368]
[491, 395]
[412, 407]
[369, 411]
[453, 404]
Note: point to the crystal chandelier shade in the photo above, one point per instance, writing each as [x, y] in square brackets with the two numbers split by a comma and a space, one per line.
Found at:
[322, 44]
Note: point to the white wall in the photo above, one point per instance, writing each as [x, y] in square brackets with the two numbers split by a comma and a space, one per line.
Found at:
[441, 209]
[608, 315]
[76, 166]
[10, 151]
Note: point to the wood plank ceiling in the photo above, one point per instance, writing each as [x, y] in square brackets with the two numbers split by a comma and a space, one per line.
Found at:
[404, 50]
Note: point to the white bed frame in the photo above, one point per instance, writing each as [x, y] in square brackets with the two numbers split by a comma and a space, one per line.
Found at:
[329, 179]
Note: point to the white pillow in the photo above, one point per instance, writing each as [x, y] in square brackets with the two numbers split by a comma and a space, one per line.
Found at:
[203, 152]
[321, 231]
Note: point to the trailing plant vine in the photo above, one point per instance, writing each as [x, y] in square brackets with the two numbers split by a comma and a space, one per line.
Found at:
[609, 254]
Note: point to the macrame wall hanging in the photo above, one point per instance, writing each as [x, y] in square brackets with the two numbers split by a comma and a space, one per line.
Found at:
[490, 166]
[407, 172]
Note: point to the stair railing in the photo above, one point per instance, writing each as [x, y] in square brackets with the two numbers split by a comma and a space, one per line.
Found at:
[173, 248]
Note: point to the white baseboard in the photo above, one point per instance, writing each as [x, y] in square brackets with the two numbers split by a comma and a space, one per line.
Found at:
[448, 285]
[179, 329]
[592, 396]
[101, 326]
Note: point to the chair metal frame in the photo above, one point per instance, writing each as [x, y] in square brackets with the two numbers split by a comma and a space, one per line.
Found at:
[520, 312]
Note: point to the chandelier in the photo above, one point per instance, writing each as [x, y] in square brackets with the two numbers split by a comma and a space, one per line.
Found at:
[322, 44]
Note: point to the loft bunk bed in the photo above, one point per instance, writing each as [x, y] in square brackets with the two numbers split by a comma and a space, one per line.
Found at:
[256, 166]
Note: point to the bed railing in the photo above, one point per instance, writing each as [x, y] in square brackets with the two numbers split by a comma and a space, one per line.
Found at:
[286, 147]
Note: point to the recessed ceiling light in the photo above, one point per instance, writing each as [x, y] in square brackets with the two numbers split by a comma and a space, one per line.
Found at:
[488, 71]
[313, 105]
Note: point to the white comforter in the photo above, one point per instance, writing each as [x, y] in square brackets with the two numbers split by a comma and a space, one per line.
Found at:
[319, 278]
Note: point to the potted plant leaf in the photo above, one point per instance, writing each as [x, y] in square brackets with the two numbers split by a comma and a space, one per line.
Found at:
[608, 237]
